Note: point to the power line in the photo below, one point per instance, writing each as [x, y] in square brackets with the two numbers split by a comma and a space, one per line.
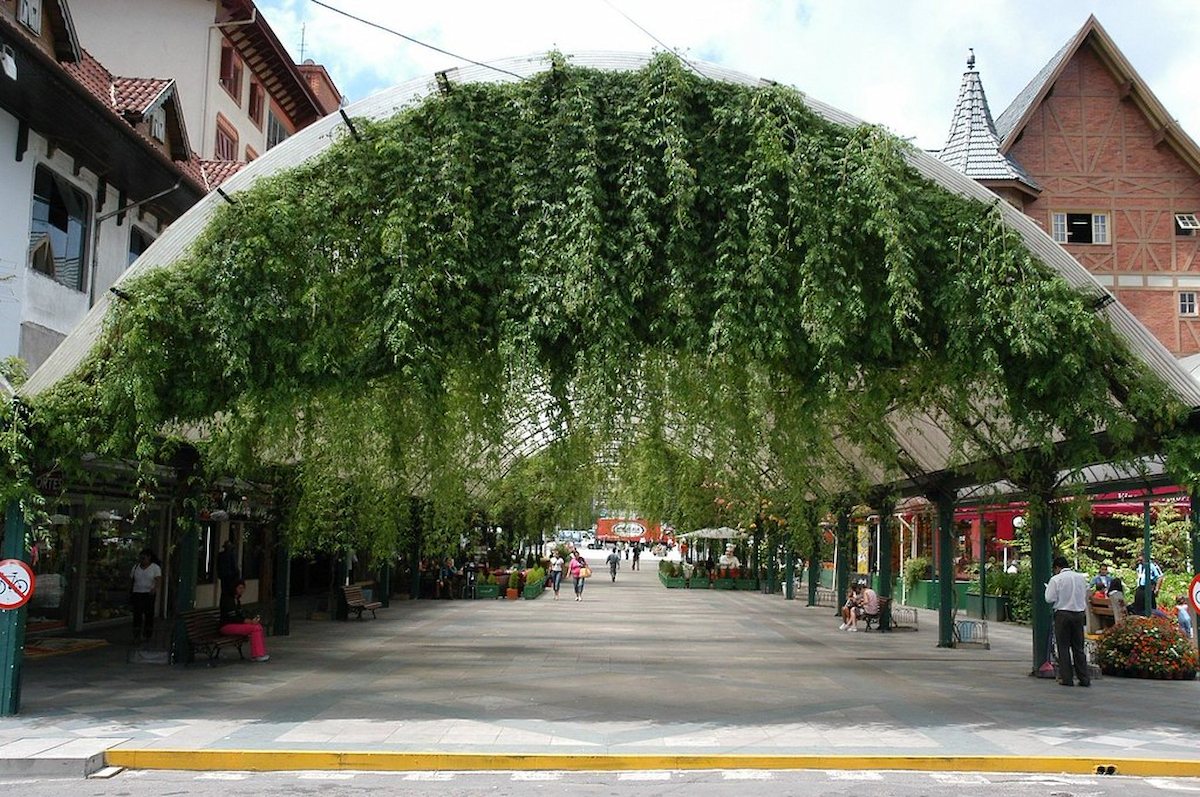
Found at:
[416, 41]
[660, 42]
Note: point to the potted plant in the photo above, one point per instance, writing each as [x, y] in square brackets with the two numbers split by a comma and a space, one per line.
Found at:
[1146, 647]
[699, 579]
[514, 585]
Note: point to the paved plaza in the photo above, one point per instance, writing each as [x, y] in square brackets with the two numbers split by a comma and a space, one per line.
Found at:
[631, 674]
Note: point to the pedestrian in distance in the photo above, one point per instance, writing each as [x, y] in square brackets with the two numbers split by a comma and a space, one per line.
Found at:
[556, 572]
[637, 555]
[228, 571]
[614, 561]
[147, 578]
[579, 571]
[1183, 615]
[1067, 591]
[1141, 595]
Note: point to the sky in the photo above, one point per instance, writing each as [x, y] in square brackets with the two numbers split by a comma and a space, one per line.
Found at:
[897, 63]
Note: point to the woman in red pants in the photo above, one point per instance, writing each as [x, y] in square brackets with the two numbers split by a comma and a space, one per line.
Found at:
[234, 623]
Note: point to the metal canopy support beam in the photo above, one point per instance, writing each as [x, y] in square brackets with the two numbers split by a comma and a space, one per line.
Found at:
[885, 563]
[945, 566]
[814, 565]
[1040, 533]
[1195, 527]
[283, 589]
[12, 621]
[1148, 598]
[185, 589]
[843, 558]
[789, 573]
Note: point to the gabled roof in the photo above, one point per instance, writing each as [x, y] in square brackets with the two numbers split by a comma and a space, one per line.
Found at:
[1017, 115]
[133, 98]
[972, 145]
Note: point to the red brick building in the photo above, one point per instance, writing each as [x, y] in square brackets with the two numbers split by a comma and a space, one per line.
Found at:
[1090, 153]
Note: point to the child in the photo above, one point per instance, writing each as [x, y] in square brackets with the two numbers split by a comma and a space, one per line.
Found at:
[1183, 615]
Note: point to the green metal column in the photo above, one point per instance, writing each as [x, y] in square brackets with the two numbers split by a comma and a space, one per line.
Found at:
[814, 563]
[789, 573]
[1148, 602]
[12, 621]
[843, 558]
[772, 563]
[340, 610]
[414, 571]
[283, 589]
[1040, 550]
[886, 577]
[1195, 508]
[945, 567]
[385, 584]
[185, 587]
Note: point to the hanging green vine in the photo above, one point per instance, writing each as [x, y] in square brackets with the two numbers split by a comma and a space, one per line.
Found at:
[735, 288]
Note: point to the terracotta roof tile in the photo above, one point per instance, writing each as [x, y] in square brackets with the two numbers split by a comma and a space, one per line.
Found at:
[137, 93]
[217, 172]
[93, 76]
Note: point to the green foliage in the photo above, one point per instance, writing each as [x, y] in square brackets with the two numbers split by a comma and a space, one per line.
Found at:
[916, 569]
[514, 579]
[691, 294]
[1170, 547]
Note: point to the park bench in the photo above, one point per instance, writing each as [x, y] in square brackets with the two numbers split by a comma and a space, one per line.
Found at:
[357, 603]
[873, 619]
[204, 635]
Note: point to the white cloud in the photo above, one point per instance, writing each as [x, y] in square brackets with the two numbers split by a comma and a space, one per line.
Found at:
[893, 63]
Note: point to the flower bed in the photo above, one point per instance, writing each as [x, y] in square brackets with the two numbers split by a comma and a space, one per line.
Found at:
[1146, 647]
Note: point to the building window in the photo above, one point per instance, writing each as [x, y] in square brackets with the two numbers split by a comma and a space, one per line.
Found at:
[276, 130]
[1186, 224]
[250, 153]
[158, 124]
[231, 72]
[226, 146]
[29, 14]
[139, 242]
[1079, 228]
[59, 231]
[257, 100]
[1187, 303]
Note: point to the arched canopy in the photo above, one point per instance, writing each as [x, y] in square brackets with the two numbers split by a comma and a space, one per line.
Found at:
[583, 252]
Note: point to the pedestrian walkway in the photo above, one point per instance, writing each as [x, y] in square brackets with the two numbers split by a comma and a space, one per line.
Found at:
[634, 676]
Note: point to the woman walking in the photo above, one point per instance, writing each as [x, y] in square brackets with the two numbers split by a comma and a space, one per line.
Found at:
[579, 571]
[556, 572]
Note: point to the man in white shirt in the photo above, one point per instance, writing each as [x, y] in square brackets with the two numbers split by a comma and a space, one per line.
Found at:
[1067, 591]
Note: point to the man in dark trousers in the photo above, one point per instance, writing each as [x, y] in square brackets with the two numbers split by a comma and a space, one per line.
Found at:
[227, 567]
[1067, 591]
[614, 561]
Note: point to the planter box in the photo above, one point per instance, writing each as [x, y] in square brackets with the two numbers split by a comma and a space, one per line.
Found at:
[927, 594]
[722, 583]
[487, 590]
[533, 590]
[998, 606]
[698, 583]
[745, 583]
[672, 583]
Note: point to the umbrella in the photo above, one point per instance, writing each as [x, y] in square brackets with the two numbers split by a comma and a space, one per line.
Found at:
[722, 533]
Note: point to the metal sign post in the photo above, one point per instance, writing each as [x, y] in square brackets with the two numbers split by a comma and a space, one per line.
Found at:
[12, 616]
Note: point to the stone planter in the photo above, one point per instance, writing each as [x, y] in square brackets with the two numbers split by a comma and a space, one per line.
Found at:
[512, 594]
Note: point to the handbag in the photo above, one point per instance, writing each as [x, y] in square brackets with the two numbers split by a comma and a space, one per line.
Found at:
[585, 572]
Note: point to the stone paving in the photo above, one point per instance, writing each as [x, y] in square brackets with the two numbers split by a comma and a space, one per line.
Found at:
[632, 669]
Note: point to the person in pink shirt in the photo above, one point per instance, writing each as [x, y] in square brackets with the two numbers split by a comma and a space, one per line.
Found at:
[234, 622]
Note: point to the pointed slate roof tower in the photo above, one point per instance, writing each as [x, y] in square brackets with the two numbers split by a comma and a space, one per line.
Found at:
[973, 147]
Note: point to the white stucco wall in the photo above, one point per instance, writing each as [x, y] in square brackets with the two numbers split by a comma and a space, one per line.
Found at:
[16, 188]
[135, 38]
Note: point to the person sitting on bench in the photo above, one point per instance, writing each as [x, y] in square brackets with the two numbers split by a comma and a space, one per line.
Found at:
[235, 623]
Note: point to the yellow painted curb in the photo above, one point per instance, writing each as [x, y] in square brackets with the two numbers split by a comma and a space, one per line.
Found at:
[283, 760]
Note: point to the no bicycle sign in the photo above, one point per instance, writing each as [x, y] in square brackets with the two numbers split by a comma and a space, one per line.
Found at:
[1194, 596]
[16, 583]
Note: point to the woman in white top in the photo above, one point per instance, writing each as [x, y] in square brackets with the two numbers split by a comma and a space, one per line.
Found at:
[556, 572]
[1116, 599]
[146, 577]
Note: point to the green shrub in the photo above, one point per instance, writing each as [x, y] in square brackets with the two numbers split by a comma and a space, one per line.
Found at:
[514, 579]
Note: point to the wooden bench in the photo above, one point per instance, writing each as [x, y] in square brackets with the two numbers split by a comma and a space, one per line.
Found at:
[873, 619]
[204, 635]
[355, 602]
